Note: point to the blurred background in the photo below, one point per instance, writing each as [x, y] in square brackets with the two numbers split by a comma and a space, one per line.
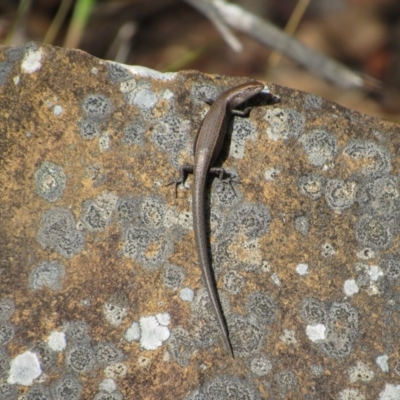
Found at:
[360, 40]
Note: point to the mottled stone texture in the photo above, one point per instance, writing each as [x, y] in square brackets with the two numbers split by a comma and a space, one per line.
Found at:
[99, 278]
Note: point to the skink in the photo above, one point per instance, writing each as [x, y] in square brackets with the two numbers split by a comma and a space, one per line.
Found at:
[207, 147]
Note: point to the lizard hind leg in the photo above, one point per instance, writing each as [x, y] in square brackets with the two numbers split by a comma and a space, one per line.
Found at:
[225, 177]
[185, 170]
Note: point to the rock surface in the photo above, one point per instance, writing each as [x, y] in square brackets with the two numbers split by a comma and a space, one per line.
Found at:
[101, 293]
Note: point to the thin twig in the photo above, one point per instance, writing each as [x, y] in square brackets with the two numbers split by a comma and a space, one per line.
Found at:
[208, 8]
[273, 37]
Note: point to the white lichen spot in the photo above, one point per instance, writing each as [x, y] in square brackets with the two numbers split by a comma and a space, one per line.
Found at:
[108, 385]
[350, 394]
[163, 319]
[127, 86]
[266, 266]
[57, 110]
[275, 279]
[271, 174]
[316, 333]
[145, 72]
[16, 80]
[152, 333]
[94, 70]
[288, 337]
[391, 392]
[114, 314]
[382, 361]
[186, 294]
[143, 361]
[132, 333]
[24, 369]
[116, 371]
[302, 269]
[168, 95]
[350, 287]
[56, 341]
[361, 372]
[32, 61]
[366, 254]
[375, 273]
[104, 142]
[143, 98]
[317, 370]
[260, 366]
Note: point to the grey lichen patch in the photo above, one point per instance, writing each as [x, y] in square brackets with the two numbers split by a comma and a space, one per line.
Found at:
[340, 194]
[5, 69]
[107, 354]
[149, 248]
[320, 147]
[380, 197]
[47, 357]
[49, 274]
[313, 102]
[57, 232]
[373, 232]
[242, 131]
[224, 387]
[312, 186]
[261, 366]
[173, 276]
[284, 123]
[68, 387]
[390, 264]
[302, 224]
[372, 159]
[341, 330]
[4, 362]
[38, 392]
[248, 335]
[118, 73]
[152, 212]
[251, 219]
[7, 391]
[81, 358]
[225, 193]
[286, 381]
[146, 241]
[313, 311]
[180, 346]
[77, 332]
[96, 107]
[50, 181]
[263, 307]
[134, 132]
[7, 332]
[89, 128]
[128, 210]
[170, 134]
[7, 308]
[97, 213]
[204, 93]
[233, 282]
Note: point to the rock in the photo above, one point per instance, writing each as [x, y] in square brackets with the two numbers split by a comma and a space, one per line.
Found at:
[96, 250]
